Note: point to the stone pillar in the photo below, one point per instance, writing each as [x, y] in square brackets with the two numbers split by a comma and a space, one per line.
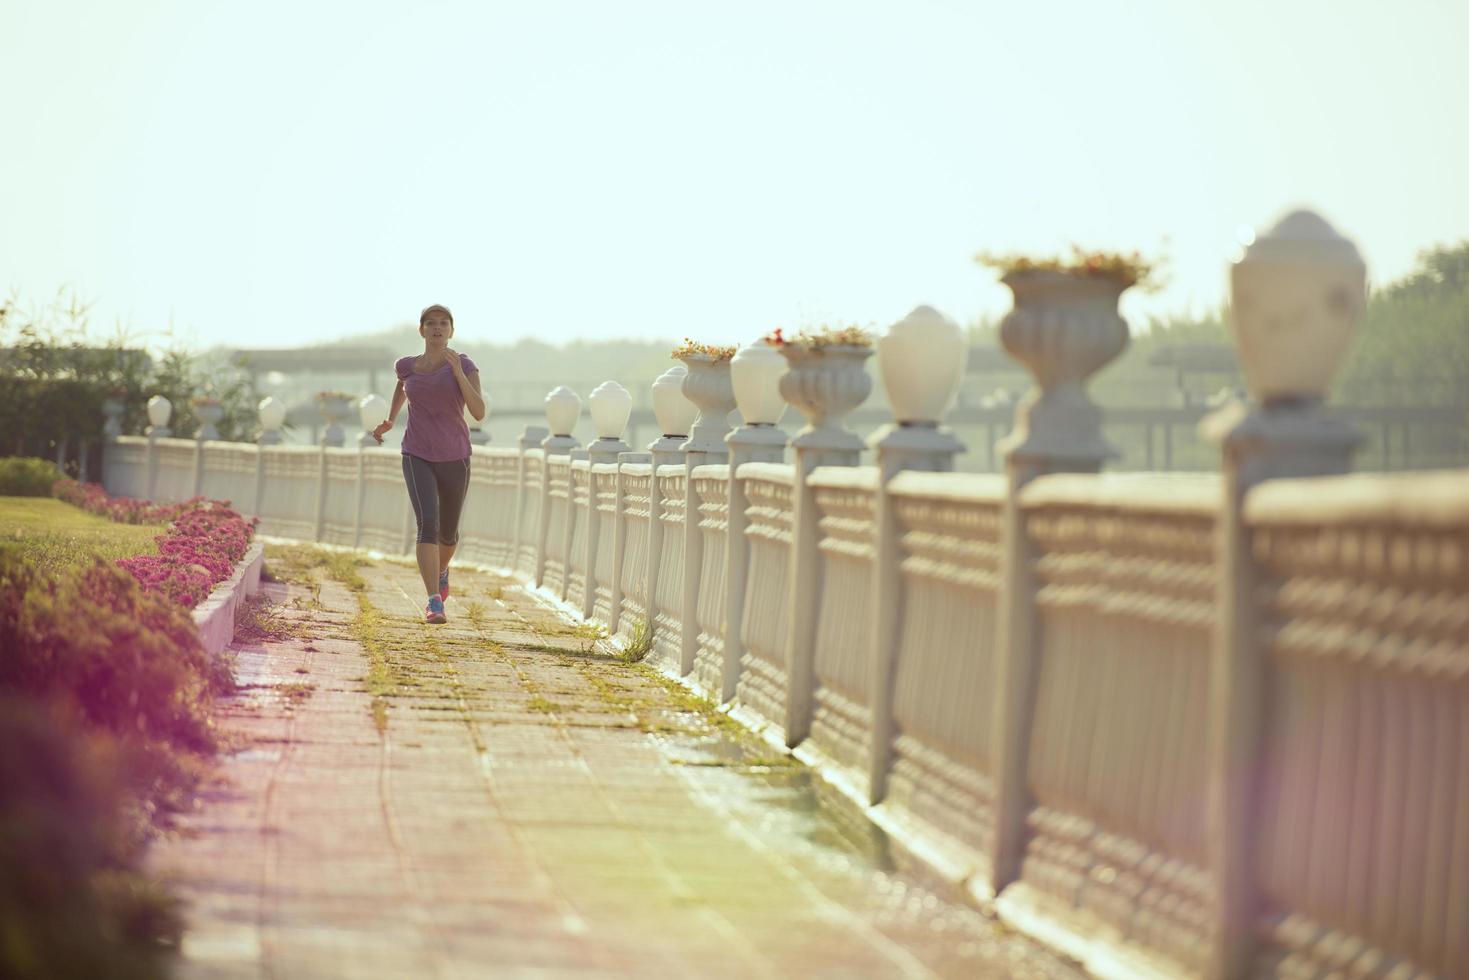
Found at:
[755, 374]
[159, 410]
[708, 386]
[574, 456]
[530, 439]
[824, 384]
[1064, 328]
[675, 415]
[272, 413]
[563, 407]
[112, 409]
[361, 494]
[1296, 300]
[334, 411]
[321, 478]
[922, 358]
[619, 537]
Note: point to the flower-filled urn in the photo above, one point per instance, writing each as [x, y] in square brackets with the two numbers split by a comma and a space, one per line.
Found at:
[674, 412]
[563, 408]
[611, 406]
[1064, 327]
[921, 360]
[160, 409]
[707, 385]
[1297, 296]
[825, 383]
[755, 374]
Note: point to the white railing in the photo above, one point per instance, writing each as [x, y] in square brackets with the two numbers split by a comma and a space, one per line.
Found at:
[1363, 757]
[1211, 725]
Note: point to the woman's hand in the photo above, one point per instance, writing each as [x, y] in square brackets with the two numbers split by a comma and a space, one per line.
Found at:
[452, 356]
[382, 427]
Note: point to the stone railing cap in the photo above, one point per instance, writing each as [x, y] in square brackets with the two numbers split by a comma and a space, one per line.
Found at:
[1430, 500]
[782, 473]
[1179, 493]
[845, 477]
[979, 488]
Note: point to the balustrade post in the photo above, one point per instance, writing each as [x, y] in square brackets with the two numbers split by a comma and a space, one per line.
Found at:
[708, 386]
[159, 410]
[1296, 300]
[755, 374]
[922, 360]
[611, 406]
[619, 536]
[530, 439]
[198, 468]
[111, 429]
[321, 478]
[272, 413]
[563, 408]
[1064, 327]
[824, 384]
[569, 524]
[371, 409]
[675, 415]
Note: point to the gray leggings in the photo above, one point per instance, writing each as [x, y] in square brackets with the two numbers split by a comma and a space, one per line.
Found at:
[437, 491]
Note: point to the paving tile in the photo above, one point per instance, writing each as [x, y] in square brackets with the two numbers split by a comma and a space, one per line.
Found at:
[526, 813]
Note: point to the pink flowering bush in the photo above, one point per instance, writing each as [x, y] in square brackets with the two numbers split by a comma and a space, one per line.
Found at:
[106, 721]
[204, 540]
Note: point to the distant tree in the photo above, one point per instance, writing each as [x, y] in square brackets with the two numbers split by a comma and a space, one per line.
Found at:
[1414, 348]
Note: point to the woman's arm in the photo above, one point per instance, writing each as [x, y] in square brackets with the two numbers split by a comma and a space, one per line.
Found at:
[473, 400]
[399, 397]
[468, 386]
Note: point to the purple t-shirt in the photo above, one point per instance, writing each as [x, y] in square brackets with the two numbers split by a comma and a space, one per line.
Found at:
[436, 429]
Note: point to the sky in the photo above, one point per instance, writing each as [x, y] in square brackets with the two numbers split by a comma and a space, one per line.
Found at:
[282, 173]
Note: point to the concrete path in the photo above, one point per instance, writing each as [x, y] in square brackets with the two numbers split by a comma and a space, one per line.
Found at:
[502, 797]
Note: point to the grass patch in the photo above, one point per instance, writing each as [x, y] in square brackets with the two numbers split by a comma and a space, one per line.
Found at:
[258, 619]
[382, 678]
[52, 536]
[639, 644]
[304, 564]
[540, 704]
[296, 692]
[475, 613]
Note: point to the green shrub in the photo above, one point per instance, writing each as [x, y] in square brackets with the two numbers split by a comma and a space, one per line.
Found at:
[69, 905]
[128, 660]
[23, 476]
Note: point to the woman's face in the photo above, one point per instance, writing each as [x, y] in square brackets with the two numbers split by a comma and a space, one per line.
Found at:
[436, 328]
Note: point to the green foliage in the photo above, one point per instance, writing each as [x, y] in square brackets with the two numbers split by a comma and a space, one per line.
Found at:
[26, 477]
[128, 661]
[51, 536]
[54, 378]
[1414, 348]
[69, 904]
[639, 644]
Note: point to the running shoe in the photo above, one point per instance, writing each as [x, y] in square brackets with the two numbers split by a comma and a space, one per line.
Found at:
[444, 584]
[435, 611]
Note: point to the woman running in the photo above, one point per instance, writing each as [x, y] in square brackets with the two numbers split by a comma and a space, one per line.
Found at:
[437, 384]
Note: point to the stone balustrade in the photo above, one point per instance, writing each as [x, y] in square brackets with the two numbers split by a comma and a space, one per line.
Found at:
[1212, 725]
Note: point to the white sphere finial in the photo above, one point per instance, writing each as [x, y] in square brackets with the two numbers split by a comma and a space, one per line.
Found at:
[563, 408]
[921, 359]
[1297, 297]
[160, 409]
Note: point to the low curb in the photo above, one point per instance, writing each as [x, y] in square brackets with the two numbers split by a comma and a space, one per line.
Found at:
[214, 618]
